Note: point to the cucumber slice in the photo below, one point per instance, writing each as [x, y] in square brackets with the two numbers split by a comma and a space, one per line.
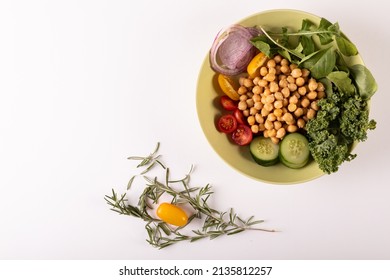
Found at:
[264, 151]
[294, 150]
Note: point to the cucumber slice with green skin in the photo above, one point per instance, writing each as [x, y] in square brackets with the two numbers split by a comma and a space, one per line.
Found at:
[294, 150]
[264, 151]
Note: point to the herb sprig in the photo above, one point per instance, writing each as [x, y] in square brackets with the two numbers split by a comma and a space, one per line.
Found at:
[160, 235]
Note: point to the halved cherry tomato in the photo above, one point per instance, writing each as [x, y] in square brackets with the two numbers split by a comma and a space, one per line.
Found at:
[228, 104]
[228, 86]
[242, 135]
[227, 124]
[255, 64]
[239, 116]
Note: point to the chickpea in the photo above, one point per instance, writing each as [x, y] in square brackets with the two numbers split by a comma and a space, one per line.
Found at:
[258, 105]
[250, 102]
[271, 63]
[242, 90]
[275, 140]
[256, 90]
[253, 111]
[293, 66]
[293, 100]
[255, 128]
[312, 95]
[256, 98]
[265, 133]
[280, 133]
[272, 71]
[264, 112]
[270, 99]
[242, 105]
[300, 81]
[273, 87]
[241, 81]
[278, 112]
[285, 69]
[301, 123]
[286, 92]
[283, 83]
[292, 128]
[292, 87]
[311, 114]
[256, 80]
[298, 112]
[285, 102]
[243, 97]
[277, 125]
[312, 84]
[284, 62]
[314, 105]
[271, 117]
[292, 107]
[268, 125]
[245, 113]
[302, 90]
[262, 83]
[263, 71]
[278, 95]
[320, 94]
[320, 86]
[291, 79]
[251, 120]
[267, 92]
[272, 132]
[259, 118]
[278, 58]
[296, 73]
[270, 77]
[261, 127]
[268, 106]
[305, 102]
[287, 117]
[305, 73]
[248, 83]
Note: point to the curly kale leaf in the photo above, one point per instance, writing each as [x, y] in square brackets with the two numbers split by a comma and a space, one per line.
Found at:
[341, 120]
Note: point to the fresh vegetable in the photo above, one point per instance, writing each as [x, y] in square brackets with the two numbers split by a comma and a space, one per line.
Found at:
[227, 103]
[239, 116]
[242, 135]
[294, 150]
[232, 50]
[172, 214]
[255, 64]
[160, 235]
[227, 124]
[227, 85]
[264, 151]
[342, 120]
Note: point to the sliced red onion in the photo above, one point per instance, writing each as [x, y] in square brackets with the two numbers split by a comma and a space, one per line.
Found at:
[232, 51]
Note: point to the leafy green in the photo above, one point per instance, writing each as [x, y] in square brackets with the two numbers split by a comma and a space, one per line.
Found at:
[365, 82]
[342, 120]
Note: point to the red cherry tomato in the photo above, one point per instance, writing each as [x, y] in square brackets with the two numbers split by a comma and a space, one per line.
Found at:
[239, 116]
[228, 104]
[227, 124]
[242, 135]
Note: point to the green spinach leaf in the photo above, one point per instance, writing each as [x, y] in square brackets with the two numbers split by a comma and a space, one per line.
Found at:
[364, 80]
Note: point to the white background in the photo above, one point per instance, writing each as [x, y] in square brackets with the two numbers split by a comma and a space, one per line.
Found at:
[84, 84]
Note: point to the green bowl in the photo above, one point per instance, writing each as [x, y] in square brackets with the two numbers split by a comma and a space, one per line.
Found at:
[209, 109]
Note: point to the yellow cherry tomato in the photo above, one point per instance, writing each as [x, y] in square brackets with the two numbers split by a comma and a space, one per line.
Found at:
[172, 214]
[227, 85]
[255, 64]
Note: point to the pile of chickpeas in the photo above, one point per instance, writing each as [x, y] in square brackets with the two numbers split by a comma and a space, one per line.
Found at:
[280, 98]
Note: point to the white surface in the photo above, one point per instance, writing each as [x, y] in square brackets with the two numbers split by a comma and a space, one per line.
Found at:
[84, 84]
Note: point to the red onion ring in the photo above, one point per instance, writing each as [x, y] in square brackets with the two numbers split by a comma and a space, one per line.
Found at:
[231, 50]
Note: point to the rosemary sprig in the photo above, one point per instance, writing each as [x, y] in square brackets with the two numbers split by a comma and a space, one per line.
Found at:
[160, 234]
